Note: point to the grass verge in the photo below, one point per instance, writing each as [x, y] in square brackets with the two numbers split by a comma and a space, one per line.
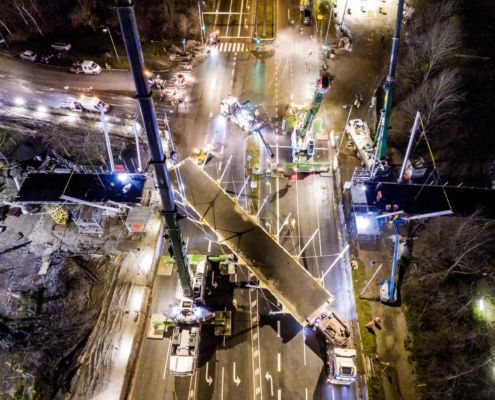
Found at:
[363, 309]
[253, 154]
[265, 30]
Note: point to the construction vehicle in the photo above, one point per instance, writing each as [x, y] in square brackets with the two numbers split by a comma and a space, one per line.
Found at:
[341, 360]
[333, 328]
[360, 134]
[238, 113]
[201, 156]
[184, 350]
[341, 365]
[302, 137]
[241, 115]
[388, 287]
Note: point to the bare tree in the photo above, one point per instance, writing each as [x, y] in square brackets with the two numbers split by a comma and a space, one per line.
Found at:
[441, 45]
[437, 99]
[183, 25]
[462, 252]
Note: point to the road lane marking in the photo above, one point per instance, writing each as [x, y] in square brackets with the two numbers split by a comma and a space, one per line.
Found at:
[208, 378]
[166, 359]
[317, 212]
[279, 394]
[304, 345]
[190, 393]
[221, 390]
[269, 378]
[228, 19]
[209, 246]
[279, 362]
[306, 393]
[240, 18]
[255, 347]
[299, 230]
[278, 328]
[237, 380]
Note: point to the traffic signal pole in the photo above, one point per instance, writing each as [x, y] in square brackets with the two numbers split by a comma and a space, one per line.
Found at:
[130, 35]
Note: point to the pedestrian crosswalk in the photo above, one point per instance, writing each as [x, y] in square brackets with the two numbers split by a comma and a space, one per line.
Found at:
[233, 47]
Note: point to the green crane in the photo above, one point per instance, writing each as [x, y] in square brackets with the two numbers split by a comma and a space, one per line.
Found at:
[382, 132]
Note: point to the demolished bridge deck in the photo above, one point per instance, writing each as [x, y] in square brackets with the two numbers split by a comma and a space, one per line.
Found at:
[298, 291]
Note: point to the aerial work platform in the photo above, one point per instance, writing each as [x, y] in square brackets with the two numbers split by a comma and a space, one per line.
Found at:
[298, 291]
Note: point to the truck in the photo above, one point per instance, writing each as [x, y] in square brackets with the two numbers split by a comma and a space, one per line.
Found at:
[341, 364]
[184, 350]
[360, 134]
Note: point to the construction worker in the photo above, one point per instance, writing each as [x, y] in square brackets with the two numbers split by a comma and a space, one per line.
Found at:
[292, 225]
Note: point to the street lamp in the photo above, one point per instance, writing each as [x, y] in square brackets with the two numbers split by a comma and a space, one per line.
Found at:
[202, 26]
[107, 29]
[341, 23]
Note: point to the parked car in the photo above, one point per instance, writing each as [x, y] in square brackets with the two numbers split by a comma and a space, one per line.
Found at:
[61, 46]
[86, 67]
[29, 55]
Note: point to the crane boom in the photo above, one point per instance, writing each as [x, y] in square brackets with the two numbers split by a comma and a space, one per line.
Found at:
[382, 136]
[130, 35]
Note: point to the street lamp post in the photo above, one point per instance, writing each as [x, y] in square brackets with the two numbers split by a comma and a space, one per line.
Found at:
[201, 24]
[107, 29]
[341, 23]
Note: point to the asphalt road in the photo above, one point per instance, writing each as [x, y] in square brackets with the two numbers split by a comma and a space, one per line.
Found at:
[290, 359]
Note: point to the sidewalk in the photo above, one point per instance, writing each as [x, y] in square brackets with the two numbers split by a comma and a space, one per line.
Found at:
[113, 343]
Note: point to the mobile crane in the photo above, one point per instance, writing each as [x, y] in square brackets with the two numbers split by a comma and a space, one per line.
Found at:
[186, 333]
[302, 138]
[388, 287]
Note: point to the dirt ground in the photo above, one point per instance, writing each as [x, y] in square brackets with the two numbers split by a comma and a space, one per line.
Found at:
[45, 318]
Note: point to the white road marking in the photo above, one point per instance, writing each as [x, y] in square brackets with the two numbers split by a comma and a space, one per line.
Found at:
[208, 378]
[279, 394]
[279, 362]
[166, 359]
[221, 389]
[299, 230]
[228, 19]
[317, 213]
[240, 18]
[237, 380]
[278, 328]
[209, 246]
[268, 377]
[277, 188]
[304, 346]
[306, 393]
